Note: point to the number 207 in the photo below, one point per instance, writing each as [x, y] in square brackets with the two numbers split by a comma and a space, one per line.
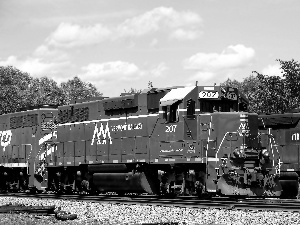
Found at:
[171, 128]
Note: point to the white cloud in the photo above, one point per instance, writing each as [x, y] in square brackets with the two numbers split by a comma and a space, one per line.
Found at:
[53, 54]
[110, 70]
[112, 77]
[217, 67]
[182, 34]
[181, 25]
[272, 70]
[115, 76]
[35, 66]
[232, 57]
[71, 35]
[157, 19]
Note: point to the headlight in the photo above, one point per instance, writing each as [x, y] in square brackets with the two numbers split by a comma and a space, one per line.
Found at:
[239, 153]
[265, 153]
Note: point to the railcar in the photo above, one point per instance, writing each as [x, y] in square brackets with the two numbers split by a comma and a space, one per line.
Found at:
[280, 133]
[180, 140]
[26, 138]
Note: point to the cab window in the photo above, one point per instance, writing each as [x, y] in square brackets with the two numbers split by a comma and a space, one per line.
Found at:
[170, 112]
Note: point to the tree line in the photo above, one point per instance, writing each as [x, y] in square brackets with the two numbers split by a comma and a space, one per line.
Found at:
[266, 94]
[20, 90]
[271, 94]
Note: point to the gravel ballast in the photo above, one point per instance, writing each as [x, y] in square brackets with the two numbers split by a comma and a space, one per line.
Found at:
[104, 213]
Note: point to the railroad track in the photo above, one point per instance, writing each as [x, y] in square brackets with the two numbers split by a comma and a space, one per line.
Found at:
[288, 205]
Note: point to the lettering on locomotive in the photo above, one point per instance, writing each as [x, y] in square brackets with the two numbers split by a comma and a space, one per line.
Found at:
[209, 94]
[244, 126]
[172, 150]
[50, 125]
[295, 137]
[231, 96]
[171, 128]
[131, 126]
[243, 129]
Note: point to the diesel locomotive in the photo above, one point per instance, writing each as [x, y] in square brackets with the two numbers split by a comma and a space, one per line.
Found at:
[195, 140]
[281, 135]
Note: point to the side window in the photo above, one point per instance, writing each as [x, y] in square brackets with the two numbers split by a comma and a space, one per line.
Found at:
[174, 113]
[170, 113]
[165, 114]
[191, 105]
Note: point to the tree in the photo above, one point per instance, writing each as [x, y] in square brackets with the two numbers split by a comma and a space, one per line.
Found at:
[44, 91]
[269, 97]
[20, 90]
[272, 94]
[291, 74]
[14, 89]
[249, 87]
[77, 89]
[134, 90]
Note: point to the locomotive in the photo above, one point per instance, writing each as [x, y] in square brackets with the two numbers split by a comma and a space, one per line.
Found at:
[280, 133]
[195, 140]
[23, 138]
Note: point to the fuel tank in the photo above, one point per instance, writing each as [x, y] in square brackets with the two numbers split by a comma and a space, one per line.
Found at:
[108, 168]
[125, 182]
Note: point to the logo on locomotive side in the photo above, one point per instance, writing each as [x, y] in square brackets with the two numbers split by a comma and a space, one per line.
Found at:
[5, 137]
[101, 133]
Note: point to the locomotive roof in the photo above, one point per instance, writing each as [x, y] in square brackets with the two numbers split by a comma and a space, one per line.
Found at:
[175, 95]
[32, 109]
[278, 119]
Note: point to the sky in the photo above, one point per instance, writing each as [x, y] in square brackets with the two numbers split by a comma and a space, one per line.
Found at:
[117, 45]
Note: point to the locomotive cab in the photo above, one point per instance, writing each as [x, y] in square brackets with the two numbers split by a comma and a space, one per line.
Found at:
[212, 144]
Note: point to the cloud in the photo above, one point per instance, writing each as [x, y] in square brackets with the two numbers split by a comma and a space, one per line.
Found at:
[71, 35]
[44, 61]
[53, 54]
[232, 57]
[182, 34]
[110, 70]
[216, 67]
[35, 66]
[181, 25]
[112, 77]
[158, 19]
[272, 70]
[115, 76]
